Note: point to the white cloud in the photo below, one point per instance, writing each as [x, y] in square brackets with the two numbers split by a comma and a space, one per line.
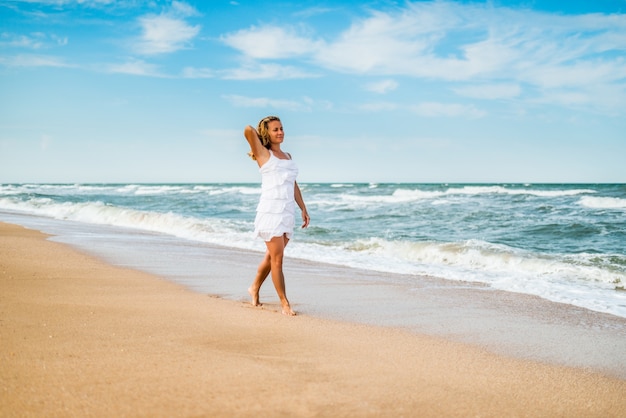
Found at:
[382, 87]
[88, 3]
[264, 102]
[20, 41]
[265, 71]
[269, 42]
[605, 98]
[489, 91]
[164, 34]
[378, 106]
[452, 41]
[565, 98]
[434, 109]
[306, 104]
[134, 67]
[183, 9]
[35, 40]
[376, 45]
[31, 60]
[191, 72]
[576, 74]
[510, 51]
[313, 11]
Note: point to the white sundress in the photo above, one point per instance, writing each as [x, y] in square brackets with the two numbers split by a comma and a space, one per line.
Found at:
[275, 213]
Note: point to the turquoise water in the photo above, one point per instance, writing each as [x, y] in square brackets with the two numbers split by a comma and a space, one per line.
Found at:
[562, 242]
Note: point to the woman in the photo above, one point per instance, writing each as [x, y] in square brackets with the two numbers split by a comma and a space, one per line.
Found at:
[275, 216]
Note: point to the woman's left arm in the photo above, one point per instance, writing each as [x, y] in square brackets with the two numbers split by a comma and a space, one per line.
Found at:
[300, 201]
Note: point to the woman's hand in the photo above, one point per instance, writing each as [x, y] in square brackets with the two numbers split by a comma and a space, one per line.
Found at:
[298, 197]
[305, 218]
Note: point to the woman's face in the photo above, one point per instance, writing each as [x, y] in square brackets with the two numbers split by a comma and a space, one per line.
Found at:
[275, 129]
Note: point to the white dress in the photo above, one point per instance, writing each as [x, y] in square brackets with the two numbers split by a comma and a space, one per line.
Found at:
[275, 213]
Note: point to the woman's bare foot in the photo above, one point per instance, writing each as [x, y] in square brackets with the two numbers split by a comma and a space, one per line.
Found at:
[255, 296]
[287, 309]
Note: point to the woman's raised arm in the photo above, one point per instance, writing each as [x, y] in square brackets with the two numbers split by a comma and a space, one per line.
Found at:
[260, 153]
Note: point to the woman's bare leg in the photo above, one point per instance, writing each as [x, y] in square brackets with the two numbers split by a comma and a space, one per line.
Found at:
[276, 250]
[262, 272]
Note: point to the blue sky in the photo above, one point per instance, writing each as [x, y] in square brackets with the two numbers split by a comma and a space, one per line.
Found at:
[368, 91]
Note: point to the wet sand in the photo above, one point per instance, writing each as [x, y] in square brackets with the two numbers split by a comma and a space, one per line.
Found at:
[81, 337]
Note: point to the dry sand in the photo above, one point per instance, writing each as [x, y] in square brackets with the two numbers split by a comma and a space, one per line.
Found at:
[80, 337]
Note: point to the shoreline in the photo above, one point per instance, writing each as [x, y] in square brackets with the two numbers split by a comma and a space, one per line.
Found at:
[512, 324]
[83, 337]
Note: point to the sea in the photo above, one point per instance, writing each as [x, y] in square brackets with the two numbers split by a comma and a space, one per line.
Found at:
[562, 242]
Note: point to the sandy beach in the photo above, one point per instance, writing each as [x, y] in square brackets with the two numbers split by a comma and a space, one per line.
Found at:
[80, 337]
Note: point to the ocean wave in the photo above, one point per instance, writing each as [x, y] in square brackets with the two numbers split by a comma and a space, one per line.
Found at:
[217, 231]
[503, 190]
[125, 189]
[587, 280]
[487, 190]
[245, 190]
[404, 195]
[399, 195]
[594, 202]
[467, 257]
[149, 190]
[574, 278]
[484, 257]
[48, 189]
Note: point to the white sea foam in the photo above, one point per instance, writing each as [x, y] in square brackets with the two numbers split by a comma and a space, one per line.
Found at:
[594, 202]
[482, 190]
[222, 232]
[565, 279]
[477, 190]
[473, 258]
[159, 190]
[403, 195]
[245, 190]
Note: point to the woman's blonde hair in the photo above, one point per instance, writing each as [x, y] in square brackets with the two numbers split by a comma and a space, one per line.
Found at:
[264, 134]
